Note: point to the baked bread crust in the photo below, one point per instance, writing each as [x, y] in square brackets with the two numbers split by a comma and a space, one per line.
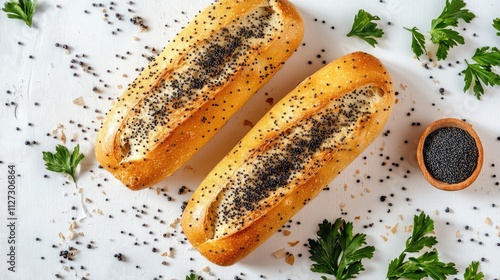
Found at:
[288, 157]
[187, 94]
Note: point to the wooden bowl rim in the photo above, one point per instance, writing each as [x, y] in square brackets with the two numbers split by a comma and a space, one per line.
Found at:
[449, 122]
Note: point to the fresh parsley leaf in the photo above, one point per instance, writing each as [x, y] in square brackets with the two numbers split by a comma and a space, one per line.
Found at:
[422, 226]
[472, 272]
[441, 34]
[63, 161]
[452, 12]
[483, 57]
[481, 72]
[193, 276]
[496, 25]
[425, 265]
[22, 9]
[365, 29]
[337, 251]
[417, 42]
[445, 39]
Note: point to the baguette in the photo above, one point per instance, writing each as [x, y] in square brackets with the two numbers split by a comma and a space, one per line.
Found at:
[288, 157]
[187, 94]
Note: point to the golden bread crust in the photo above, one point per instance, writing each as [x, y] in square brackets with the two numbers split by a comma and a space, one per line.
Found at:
[288, 157]
[147, 135]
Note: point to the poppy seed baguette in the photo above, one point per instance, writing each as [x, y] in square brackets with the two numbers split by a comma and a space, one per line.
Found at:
[288, 157]
[191, 89]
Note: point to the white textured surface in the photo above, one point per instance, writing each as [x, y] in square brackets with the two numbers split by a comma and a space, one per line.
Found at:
[44, 205]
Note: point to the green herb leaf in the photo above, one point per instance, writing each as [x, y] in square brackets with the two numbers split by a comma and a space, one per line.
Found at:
[430, 265]
[337, 251]
[422, 226]
[22, 10]
[445, 39]
[193, 276]
[63, 161]
[441, 34]
[365, 29]
[481, 72]
[417, 42]
[472, 272]
[483, 57]
[496, 25]
[425, 265]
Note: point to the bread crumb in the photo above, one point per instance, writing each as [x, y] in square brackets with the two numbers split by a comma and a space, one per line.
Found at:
[281, 253]
[409, 228]
[60, 235]
[342, 205]
[383, 237]
[206, 269]
[458, 234]
[58, 132]
[70, 235]
[286, 232]
[293, 244]
[488, 221]
[394, 229]
[79, 101]
[175, 222]
[290, 259]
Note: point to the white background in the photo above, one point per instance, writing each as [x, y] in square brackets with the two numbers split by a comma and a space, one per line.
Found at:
[44, 205]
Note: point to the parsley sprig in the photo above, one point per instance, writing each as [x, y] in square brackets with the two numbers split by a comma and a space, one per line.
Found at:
[193, 276]
[481, 72]
[428, 263]
[22, 10]
[496, 25]
[472, 272]
[444, 36]
[337, 251]
[441, 32]
[417, 41]
[63, 161]
[364, 28]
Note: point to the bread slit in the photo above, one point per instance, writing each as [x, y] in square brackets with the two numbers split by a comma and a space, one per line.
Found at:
[202, 70]
[203, 76]
[288, 157]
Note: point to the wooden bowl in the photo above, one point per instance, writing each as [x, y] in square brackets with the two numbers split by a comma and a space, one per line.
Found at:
[449, 122]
